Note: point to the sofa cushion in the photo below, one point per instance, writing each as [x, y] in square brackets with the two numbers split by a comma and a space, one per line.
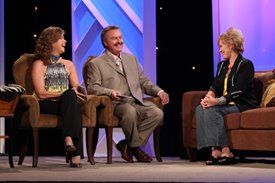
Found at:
[259, 118]
[232, 121]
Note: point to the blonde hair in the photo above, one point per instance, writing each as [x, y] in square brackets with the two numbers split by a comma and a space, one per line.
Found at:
[233, 37]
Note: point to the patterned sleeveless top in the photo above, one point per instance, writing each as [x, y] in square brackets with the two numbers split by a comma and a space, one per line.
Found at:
[56, 78]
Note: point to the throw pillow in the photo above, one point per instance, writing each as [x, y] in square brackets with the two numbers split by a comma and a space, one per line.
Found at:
[268, 98]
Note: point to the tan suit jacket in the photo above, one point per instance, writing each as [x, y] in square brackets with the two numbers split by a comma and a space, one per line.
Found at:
[104, 76]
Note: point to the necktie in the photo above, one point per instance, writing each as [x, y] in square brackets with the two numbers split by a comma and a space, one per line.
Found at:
[119, 64]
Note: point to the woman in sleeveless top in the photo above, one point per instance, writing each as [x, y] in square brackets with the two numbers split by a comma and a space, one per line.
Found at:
[57, 87]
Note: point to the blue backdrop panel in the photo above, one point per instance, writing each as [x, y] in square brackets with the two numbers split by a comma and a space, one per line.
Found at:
[90, 16]
[137, 21]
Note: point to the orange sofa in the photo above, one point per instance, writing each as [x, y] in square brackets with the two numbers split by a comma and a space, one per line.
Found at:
[253, 129]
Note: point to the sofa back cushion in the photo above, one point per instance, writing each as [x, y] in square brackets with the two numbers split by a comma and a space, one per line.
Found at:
[258, 85]
[261, 82]
[264, 77]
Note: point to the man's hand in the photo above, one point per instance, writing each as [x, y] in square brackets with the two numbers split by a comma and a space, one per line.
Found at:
[115, 95]
[164, 97]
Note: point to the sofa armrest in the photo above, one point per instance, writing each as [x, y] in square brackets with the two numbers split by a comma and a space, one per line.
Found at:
[190, 101]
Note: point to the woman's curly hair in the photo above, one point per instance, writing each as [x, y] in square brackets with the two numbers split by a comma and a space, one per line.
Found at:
[43, 47]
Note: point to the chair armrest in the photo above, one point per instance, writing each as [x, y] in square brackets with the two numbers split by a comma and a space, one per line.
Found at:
[89, 109]
[105, 112]
[29, 110]
[155, 100]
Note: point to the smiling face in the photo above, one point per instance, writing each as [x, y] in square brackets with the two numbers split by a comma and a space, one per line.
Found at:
[225, 50]
[113, 41]
[50, 42]
[231, 43]
[58, 47]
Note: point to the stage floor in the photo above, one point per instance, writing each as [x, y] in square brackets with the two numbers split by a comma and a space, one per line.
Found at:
[172, 169]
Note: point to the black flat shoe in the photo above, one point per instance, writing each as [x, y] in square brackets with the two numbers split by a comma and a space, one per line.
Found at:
[212, 161]
[227, 160]
[75, 165]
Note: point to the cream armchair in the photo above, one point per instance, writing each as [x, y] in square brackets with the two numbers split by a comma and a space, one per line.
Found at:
[29, 115]
[106, 119]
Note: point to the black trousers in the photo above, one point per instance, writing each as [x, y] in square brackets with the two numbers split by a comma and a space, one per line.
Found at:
[71, 114]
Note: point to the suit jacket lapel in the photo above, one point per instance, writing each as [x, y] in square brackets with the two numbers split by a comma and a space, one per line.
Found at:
[128, 69]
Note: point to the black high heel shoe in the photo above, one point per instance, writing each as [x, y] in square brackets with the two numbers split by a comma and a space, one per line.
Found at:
[70, 148]
[75, 165]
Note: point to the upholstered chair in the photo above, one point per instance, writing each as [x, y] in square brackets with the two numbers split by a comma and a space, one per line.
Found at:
[106, 119]
[29, 116]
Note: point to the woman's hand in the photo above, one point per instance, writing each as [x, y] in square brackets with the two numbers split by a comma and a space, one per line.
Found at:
[208, 101]
[81, 93]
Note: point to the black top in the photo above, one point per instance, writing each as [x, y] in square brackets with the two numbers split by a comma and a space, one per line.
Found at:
[240, 83]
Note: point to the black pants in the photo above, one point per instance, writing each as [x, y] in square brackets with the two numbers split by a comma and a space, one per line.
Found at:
[70, 111]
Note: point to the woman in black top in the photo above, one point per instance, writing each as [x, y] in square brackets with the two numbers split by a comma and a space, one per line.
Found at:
[232, 91]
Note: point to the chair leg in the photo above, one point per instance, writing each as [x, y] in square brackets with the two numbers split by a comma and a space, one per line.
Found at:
[109, 135]
[89, 144]
[67, 158]
[35, 147]
[24, 145]
[10, 140]
[95, 139]
[157, 144]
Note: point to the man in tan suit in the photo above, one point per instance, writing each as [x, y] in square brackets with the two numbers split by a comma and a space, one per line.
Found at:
[119, 75]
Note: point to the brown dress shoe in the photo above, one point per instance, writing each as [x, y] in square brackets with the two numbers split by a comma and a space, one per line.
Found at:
[124, 150]
[140, 155]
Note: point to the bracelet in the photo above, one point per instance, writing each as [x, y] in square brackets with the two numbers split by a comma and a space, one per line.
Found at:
[221, 100]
